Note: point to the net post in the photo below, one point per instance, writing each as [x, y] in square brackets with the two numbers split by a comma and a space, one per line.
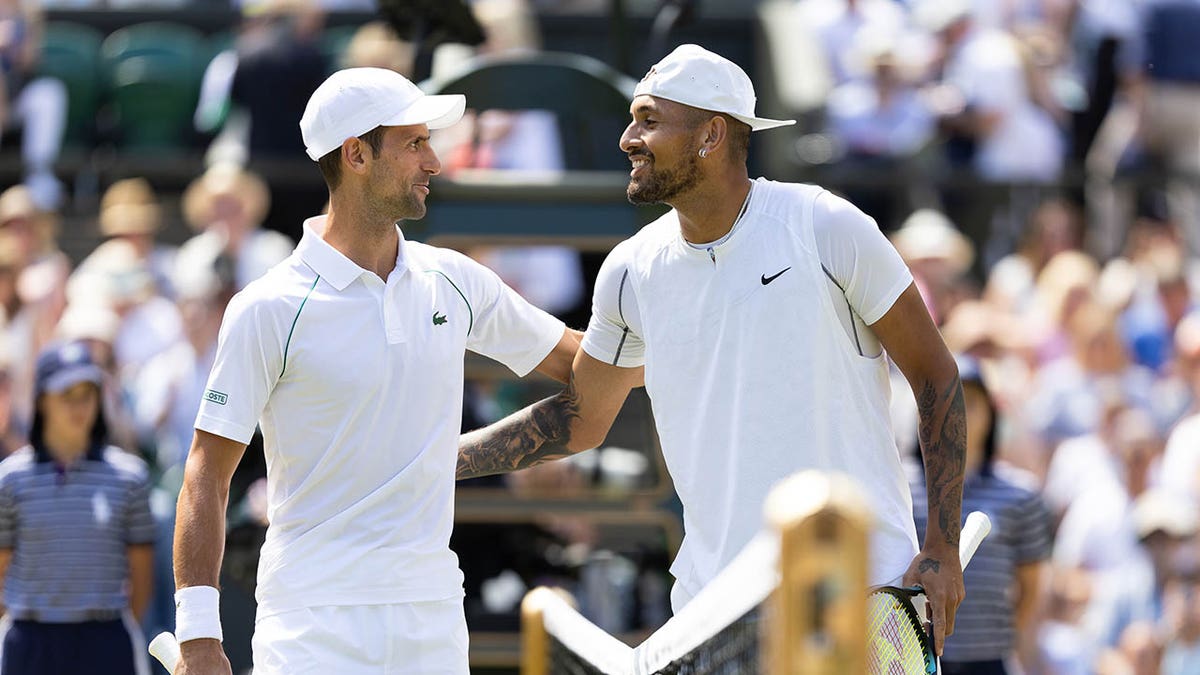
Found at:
[818, 612]
[535, 643]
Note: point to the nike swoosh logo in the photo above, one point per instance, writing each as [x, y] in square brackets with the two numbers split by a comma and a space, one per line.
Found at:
[768, 279]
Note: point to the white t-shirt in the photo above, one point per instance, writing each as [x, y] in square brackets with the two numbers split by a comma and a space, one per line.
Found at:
[1078, 464]
[357, 387]
[166, 396]
[260, 251]
[151, 328]
[839, 27]
[865, 123]
[1026, 144]
[749, 370]
[1181, 458]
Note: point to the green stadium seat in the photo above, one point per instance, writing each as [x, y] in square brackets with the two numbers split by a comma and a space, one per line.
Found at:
[153, 71]
[71, 53]
[590, 98]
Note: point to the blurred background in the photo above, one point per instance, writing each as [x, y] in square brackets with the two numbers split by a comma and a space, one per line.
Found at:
[1036, 162]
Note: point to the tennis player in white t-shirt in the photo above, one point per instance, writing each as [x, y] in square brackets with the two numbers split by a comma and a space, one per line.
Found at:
[756, 314]
[349, 356]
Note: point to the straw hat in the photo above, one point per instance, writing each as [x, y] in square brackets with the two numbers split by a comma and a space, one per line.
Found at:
[130, 206]
[126, 219]
[929, 235]
[17, 202]
[128, 191]
[376, 45]
[225, 180]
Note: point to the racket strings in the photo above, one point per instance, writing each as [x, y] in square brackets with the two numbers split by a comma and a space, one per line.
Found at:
[896, 641]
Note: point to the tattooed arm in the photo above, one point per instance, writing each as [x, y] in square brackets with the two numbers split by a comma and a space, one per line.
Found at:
[914, 344]
[575, 419]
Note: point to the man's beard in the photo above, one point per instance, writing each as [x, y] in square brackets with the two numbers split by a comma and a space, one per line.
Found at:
[402, 205]
[663, 185]
[409, 206]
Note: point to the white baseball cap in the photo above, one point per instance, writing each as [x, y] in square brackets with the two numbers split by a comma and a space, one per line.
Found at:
[696, 77]
[351, 102]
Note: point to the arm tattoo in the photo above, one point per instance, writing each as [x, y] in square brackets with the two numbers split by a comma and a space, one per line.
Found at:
[943, 434]
[531, 436]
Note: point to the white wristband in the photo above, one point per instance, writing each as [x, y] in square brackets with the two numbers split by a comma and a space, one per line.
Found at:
[197, 613]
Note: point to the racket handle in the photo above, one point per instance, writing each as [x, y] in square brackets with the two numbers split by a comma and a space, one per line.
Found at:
[977, 527]
[164, 648]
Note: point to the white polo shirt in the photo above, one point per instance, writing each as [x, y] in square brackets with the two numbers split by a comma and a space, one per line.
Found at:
[357, 386]
[752, 371]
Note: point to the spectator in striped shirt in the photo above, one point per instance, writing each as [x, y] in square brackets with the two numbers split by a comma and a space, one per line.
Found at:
[76, 533]
[994, 623]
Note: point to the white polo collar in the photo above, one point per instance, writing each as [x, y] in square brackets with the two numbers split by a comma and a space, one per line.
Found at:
[328, 262]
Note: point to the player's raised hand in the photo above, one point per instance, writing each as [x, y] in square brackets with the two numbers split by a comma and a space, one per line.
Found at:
[937, 569]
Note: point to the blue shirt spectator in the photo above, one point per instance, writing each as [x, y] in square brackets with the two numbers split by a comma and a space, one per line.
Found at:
[991, 619]
[75, 531]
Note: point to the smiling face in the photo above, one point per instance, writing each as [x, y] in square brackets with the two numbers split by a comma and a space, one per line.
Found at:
[399, 181]
[662, 142]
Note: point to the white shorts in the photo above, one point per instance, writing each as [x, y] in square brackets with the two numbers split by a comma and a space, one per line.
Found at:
[425, 638]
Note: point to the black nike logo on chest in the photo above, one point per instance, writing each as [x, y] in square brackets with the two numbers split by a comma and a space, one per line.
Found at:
[768, 279]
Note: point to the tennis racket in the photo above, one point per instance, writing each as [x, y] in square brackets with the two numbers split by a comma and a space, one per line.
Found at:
[899, 633]
[166, 650]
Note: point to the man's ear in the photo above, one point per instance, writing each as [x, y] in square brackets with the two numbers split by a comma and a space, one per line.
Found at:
[716, 133]
[355, 155]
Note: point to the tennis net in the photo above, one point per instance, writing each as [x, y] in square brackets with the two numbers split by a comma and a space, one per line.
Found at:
[724, 629]
[716, 634]
[731, 651]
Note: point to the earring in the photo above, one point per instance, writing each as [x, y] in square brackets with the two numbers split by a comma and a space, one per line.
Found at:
[703, 153]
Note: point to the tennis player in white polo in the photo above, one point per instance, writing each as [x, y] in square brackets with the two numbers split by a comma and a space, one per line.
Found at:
[756, 313]
[349, 356]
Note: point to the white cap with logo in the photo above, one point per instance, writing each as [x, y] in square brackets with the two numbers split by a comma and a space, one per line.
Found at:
[353, 101]
[696, 77]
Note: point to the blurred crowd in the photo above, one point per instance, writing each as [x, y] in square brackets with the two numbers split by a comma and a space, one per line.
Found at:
[1093, 371]
[1070, 287]
[147, 300]
[1079, 304]
[1023, 95]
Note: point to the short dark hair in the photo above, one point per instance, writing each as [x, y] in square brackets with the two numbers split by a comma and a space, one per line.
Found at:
[331, 162]
[739, 139]
[991, 443]
[739, 132]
